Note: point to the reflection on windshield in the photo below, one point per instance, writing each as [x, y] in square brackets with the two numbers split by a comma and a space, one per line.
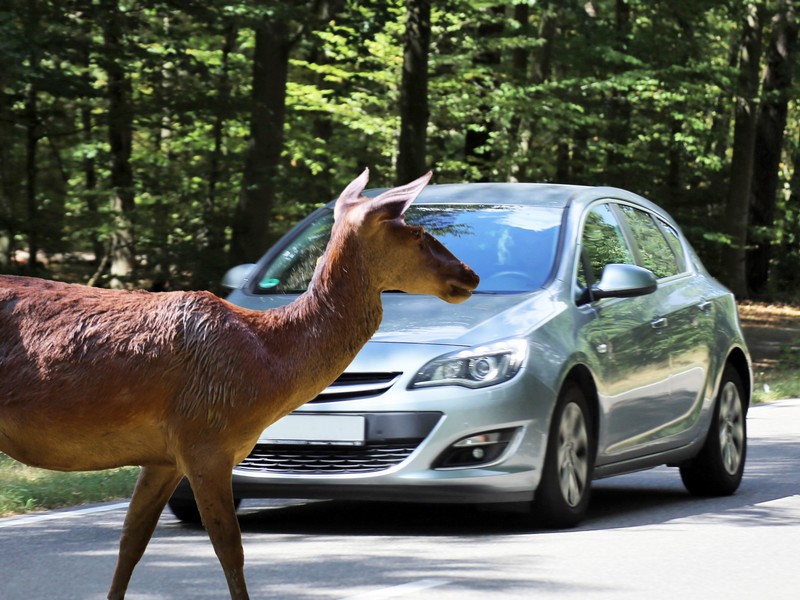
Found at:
[512, 248]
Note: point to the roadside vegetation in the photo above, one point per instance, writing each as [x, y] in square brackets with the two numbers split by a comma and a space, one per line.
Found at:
[782, 380]
[773, 335]
[26, 489]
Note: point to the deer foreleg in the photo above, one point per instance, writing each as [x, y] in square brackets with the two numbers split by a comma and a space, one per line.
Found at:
[153, 488]
[211, 485]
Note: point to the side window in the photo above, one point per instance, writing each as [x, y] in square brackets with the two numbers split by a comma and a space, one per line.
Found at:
[654, 250]
[674, 240]
[603, 244]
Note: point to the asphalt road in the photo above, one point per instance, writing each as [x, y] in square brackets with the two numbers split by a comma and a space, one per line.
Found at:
[644, 538]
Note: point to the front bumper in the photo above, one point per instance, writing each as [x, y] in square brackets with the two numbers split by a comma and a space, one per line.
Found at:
[416, 428]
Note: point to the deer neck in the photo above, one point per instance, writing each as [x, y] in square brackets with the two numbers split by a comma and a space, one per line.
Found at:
[343, 303]
[318, 335]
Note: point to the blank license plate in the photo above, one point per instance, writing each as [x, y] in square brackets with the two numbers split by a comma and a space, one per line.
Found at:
[316, 429]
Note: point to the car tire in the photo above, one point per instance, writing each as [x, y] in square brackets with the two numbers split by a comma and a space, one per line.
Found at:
[562, 497]
[717, 469]
[186, 511]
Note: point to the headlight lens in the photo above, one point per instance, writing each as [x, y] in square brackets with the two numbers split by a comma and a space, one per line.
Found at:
[476, 367]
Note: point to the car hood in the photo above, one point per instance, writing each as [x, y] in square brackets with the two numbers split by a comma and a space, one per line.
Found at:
[429, 320]
[417, 319]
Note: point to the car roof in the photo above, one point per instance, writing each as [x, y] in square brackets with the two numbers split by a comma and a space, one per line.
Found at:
[546, 195]
[554, 195]
[526, 194]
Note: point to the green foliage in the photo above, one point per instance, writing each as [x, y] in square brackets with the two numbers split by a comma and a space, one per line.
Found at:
[781, 382]
[581, 92]
[23, 489]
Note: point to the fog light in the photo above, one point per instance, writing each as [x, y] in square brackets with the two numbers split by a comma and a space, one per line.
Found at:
[475, 450]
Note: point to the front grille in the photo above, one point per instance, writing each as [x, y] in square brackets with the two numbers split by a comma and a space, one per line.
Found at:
[357, 385]
[326, 460]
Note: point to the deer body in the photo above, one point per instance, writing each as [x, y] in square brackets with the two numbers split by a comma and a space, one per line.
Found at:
[183, 383]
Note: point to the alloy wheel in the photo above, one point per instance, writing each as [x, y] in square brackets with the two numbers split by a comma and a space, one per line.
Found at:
[731, 428]
[573, 454]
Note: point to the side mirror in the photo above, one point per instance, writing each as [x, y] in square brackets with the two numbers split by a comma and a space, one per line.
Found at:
[236, 276]
[624, 281]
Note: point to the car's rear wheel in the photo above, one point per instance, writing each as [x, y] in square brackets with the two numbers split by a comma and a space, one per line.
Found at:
[186, 511]
[717, 470]
[563, 494]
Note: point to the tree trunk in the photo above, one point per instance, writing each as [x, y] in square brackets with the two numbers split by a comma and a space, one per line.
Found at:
[251, 235]
[7, 226]
[543, 72]
[719, 138]
[31, 174]
[90, 181]
[619, 106]
[160, 257]
[414, 92]
[477, 150]
[120, 135]
[786, 272]
[519, 133]
[744, 134]
[6, 220]
[32, 226]
[675, 160]
[776, 93]
[548, 28]
[208, 270]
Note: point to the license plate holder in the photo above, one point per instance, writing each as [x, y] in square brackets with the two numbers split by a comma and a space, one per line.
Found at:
[296, 429]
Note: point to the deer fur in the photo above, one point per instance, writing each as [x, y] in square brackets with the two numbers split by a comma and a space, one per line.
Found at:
[183, 383]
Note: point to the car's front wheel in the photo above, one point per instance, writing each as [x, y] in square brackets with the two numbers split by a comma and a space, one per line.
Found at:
[563, 494]
[717, 470]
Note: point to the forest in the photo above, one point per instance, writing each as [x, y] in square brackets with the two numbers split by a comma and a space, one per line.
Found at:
[156, 143]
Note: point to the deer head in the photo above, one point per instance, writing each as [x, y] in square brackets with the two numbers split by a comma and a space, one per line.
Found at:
[405, 257]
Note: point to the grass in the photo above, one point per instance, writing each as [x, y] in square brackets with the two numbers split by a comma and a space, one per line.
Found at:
[781, 380]
[773, 335]
[26, 489]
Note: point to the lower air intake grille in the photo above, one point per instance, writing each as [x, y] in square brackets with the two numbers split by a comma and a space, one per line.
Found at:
[325, 460]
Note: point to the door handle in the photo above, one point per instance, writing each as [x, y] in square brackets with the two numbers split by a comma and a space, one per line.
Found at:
[659, 323]
[704, 306]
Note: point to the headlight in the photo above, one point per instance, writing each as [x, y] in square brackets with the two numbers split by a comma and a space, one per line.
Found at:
[476, 367]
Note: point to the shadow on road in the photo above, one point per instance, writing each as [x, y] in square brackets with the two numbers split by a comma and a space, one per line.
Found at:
[640, 499]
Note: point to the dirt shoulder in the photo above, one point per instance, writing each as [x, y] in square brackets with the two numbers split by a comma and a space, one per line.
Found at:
[770, 330]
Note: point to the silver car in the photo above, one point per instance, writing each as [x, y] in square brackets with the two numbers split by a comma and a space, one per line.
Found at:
[595, 345]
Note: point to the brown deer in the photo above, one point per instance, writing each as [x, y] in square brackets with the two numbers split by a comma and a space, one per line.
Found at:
[183, 383]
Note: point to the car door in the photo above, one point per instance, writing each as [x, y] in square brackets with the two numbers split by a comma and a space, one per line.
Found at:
[684, 317]
[624, 345]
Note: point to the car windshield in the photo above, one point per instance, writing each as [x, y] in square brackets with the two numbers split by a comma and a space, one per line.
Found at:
[511, 247]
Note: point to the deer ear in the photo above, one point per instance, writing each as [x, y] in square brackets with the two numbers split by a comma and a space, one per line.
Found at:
[392, 204]
[350, 195]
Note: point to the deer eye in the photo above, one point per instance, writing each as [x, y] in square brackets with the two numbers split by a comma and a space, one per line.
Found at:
[417, 232]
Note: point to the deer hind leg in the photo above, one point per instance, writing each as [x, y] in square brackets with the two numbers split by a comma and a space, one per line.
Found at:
[211, 484]
[153, 488]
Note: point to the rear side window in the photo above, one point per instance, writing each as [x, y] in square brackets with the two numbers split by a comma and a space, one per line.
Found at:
[674, 240]
[654, 251]
[603, 244]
